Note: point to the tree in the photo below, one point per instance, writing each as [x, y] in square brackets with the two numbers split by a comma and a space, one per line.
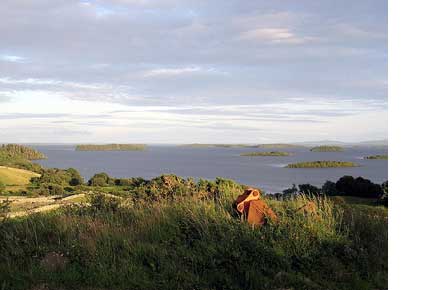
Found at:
[309, 189]
[329, 188]
[75, 177]
[101, 179]
[348, 185]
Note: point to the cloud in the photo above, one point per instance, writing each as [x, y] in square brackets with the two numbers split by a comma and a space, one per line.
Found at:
[198, 64]
[172, 72]
[274, 35]
[12, 58]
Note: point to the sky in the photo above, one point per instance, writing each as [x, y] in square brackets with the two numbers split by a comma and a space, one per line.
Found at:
[168, 71]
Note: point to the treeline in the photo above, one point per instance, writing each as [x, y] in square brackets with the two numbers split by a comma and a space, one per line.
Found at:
[322, 164]
[327, 148]
[345, 186]
[20, 151]
[111, 147]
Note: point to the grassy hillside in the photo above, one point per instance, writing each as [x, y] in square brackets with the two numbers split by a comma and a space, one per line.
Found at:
[15, 176]
[175, 234]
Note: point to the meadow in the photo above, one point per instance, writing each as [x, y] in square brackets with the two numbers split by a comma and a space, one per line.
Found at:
[192, 243]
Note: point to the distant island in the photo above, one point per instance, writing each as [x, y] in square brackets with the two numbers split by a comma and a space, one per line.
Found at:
[111, 147]
[322, 164]
[327, 148]
[271, 153]
[376, 157]
[274, 145]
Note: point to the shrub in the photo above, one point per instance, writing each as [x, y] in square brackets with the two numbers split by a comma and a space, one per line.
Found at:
[101, 179]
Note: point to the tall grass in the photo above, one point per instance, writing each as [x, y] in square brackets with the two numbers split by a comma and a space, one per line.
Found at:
[190, 243]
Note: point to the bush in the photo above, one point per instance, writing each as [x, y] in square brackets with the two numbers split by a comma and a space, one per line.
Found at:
[101, 179]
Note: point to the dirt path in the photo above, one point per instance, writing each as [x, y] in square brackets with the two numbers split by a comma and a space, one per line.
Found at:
[27, 205]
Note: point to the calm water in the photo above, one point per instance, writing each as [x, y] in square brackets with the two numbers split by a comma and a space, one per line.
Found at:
[266, 173]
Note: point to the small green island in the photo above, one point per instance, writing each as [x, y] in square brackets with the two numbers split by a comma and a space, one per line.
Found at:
[266, 153]
[376, 157]
[111, 147]
[327, 148]
[322, 164]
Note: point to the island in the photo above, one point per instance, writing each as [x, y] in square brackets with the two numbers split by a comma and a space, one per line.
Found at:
[111, 147]
[327, 148]
[321, 164]
[376, 157]
[266, 153]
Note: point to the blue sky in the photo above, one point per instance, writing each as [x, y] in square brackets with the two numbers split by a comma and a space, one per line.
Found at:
[193, 71]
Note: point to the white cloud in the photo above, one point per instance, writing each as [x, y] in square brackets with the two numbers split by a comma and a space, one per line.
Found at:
[274, 35]
[171, 72]
[12, 58]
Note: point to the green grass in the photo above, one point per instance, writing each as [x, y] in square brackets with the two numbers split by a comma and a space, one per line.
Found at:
[322, 164]
[270, 153]
[354, 200]
[327, 148]
[15, 177]
[193, 243]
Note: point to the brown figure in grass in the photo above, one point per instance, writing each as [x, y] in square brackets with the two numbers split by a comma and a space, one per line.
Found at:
[252, 209]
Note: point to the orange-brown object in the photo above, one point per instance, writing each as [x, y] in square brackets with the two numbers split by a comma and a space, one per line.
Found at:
[252, 208]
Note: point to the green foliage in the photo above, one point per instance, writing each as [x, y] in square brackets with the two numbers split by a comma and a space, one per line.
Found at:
[20, 151]
[329, 188]
[271, 153]
[322, 164]
[197, 244]
[111, 147]
[348, 185]
[18, 156]
[101, 179]
[172, 187]
[327, 148]
[2, 187]
[376, 157]
[5, 208]
[309, 189]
